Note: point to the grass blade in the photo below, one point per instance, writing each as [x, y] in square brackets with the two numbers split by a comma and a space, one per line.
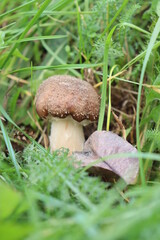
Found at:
[36, 38]
[139, 57]
[115, 17]
[149, 49]
[104, 84]
[17, 8]
[29, 25]
[63, 66]
[134, 27]
[10, 148]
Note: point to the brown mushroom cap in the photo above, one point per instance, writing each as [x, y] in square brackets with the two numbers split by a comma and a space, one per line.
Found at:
[62, 95]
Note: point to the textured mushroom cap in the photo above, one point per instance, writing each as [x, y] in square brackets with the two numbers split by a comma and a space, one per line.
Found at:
[102, 144]
[62, 95]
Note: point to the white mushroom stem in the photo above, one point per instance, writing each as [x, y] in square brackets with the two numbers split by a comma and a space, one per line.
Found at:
[67, 133]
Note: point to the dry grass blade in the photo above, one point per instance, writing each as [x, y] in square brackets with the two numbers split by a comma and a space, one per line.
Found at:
[110, 78]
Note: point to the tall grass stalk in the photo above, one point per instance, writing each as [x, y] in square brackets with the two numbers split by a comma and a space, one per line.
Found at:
[104, 84]
[109, 99]
[10, 148]
[79, 34]
[149, 49]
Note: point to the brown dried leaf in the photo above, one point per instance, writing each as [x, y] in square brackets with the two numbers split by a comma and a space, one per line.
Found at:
[101, 144]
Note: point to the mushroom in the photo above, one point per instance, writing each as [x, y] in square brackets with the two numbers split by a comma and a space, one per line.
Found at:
[70, 103]
[102, 144]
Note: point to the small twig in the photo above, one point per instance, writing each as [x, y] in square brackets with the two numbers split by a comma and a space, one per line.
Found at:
[123, 113]
[82, 54]
[122, 195]
[120, 124]
[19, 80]
[155, 88]
[3, 119]
[28, 93]
[110, 78]
[133, 124]
[45, 138]
[125, 90]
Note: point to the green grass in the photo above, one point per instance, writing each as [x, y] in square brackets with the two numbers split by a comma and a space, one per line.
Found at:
[149, 49]
[42, 196]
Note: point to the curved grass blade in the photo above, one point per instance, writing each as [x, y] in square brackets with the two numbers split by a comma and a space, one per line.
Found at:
[36, 38]
[10, 148]
[149, 49]
[139, 57]
[63, 66]
[135, 27]
[144, 155]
